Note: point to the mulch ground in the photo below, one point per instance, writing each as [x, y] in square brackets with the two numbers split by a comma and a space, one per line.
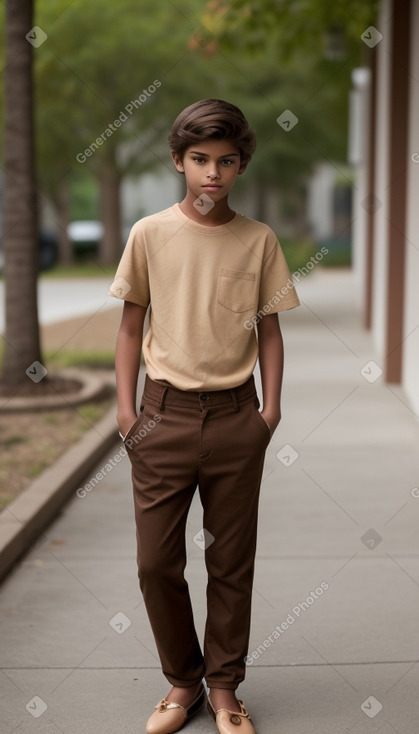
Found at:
[94, 332]
[30, 442]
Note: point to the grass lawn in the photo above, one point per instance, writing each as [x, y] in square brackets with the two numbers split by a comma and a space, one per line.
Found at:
[80, 270]
[83, 358]
[31, 442]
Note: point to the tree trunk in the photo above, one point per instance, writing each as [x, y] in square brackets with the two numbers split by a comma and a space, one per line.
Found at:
[22, 341]
[62, 203]
[110, 207]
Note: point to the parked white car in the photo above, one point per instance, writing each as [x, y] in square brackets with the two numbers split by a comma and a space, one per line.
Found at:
[85, 234]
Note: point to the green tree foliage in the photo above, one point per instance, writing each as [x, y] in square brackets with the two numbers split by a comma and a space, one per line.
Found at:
[317, 27]
[266, 57]
[96, 94]
[298, 55]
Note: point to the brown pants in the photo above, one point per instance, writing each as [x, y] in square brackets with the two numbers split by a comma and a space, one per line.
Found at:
[215, 440]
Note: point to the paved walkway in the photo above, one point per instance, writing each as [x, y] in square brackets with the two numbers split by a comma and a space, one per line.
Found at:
[334, 645]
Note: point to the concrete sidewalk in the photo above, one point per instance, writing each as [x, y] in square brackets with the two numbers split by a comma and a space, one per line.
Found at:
[334, 635]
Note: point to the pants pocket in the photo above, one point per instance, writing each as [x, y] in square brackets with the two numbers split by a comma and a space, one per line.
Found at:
[134, 427]
[143, 427]
[259, 419]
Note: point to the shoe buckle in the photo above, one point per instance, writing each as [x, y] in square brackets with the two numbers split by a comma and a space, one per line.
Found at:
[235, 719]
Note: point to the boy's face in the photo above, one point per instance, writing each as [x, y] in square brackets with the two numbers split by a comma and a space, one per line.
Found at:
[210, 167]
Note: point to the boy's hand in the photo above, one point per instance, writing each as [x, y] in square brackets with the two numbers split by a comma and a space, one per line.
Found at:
[125, 422]
[271, 419]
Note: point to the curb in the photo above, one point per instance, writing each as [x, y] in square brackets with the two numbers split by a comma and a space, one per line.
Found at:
[24, 520]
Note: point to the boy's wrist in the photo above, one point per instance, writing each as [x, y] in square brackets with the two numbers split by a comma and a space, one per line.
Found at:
[272, 418]
[125, 420]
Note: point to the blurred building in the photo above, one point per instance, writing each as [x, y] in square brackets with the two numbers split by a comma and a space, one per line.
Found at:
[156, 191]
[385, 148]
[329, 210]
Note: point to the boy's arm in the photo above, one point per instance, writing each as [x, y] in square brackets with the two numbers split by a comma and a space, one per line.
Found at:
[127, 363]
[271, 362]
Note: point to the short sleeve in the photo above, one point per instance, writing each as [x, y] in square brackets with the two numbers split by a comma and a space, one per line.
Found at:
[131, 281]
[276, 289]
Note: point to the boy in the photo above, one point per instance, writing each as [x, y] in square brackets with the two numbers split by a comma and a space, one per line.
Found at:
[207, 273]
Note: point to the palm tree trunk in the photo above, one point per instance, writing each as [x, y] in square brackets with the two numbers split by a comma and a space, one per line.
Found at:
[22, 342]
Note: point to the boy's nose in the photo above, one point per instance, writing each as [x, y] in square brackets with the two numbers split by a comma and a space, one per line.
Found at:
[213, 173]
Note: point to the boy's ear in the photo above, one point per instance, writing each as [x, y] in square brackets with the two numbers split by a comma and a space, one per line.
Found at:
[178, 162]
[242, 168]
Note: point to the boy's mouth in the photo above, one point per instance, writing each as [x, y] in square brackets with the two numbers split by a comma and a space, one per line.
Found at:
[212, 186]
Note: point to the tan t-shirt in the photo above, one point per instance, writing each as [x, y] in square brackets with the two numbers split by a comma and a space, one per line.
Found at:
[207, 288]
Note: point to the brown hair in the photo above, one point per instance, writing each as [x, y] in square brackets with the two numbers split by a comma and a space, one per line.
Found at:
[212, 119]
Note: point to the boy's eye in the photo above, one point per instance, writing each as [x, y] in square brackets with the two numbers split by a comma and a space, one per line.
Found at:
[225, 161]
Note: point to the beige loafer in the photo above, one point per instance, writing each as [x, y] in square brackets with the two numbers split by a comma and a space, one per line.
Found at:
[170, 717]
[232, 722]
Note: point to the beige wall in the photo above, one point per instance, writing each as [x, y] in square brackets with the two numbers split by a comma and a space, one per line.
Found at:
[379, 285]
[411, 304]
[410, 361]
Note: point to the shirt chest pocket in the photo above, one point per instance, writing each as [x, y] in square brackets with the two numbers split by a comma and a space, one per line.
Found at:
[237, 290]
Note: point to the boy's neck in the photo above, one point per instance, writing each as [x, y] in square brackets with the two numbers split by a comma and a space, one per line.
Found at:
[219, 214]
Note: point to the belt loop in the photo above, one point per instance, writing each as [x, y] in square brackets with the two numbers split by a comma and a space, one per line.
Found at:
[234, 400]
[163, 399]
